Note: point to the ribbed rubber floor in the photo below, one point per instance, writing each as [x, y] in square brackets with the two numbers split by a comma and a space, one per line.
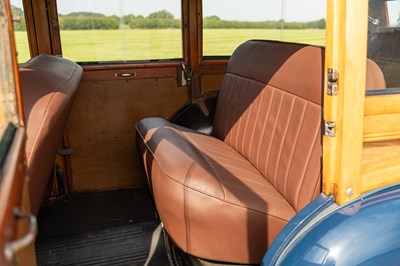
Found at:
[117, 233]
[123, 245]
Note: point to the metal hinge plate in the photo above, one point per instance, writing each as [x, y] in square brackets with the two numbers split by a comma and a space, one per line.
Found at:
[330, 129]
[333, 76]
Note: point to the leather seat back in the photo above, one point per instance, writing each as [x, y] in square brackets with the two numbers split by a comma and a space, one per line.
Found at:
[269, 110]
[49, 85]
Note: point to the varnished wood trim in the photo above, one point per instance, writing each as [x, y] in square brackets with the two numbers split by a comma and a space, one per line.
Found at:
[42, 26]
[185, 31]
[382, 127]
[382, 118]
[380, 173]
[94, 67]
[54, 29]
[30, 27]
[215, 69]
[346, 50]
[383, 104]
[11, 189]
[15, 69]
[136, 73]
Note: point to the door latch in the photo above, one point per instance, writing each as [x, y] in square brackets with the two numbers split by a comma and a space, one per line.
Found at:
[184, 75]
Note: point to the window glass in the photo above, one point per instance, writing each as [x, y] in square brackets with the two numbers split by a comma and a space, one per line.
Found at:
[384, 39]
[21, 36]
[393, 11]
[228, 23]
[124, 30]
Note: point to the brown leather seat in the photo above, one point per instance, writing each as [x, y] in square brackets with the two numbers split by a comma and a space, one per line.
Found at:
[225, 197]
[49, 85]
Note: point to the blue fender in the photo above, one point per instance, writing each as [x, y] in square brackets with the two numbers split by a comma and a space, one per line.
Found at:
[365, 231]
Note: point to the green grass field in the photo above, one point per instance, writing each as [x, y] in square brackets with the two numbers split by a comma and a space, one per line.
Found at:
[128, 44]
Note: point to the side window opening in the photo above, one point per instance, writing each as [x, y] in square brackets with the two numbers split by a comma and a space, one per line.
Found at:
[384, 39]
[20, 33]
[283, 20]
[120, 31]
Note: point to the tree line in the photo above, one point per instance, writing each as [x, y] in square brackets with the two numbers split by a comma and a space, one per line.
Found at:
[159, 20]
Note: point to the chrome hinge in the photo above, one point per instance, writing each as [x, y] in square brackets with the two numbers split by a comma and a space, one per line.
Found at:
[333, 76]
[330, 129]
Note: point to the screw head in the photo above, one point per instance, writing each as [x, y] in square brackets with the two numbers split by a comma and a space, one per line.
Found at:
[349, 191]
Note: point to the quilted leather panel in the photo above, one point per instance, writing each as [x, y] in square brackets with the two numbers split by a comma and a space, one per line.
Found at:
[277, 126]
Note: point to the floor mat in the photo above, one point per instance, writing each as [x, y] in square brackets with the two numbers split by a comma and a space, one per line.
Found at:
[106, 228]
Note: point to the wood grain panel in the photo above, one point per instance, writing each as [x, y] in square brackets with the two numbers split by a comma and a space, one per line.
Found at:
[377, 151]
[382, 118]
[381, 164]
[211, 83]
[144, 73]
[101, 129]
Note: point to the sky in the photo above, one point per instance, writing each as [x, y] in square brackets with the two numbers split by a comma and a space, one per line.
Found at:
[248, 10]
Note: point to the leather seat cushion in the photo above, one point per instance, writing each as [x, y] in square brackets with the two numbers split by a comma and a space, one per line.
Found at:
[212, 201]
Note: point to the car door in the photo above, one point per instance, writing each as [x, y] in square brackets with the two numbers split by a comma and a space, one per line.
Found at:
[18, 227]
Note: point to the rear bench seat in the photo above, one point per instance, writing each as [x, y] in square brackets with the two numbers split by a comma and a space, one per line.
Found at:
[225, 197]
[48, 85]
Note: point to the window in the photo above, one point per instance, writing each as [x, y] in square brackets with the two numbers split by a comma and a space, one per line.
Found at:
[393, 11]
[124, 30]
[384, 39]
[228, 23]
[21, 36]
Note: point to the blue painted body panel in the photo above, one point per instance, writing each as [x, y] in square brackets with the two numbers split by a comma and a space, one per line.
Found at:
[365, 231]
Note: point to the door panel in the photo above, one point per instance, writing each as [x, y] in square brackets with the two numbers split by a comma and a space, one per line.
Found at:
[101, 127]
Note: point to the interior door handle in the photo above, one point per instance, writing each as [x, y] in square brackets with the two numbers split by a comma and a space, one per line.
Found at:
[125, 75]
[10, 249]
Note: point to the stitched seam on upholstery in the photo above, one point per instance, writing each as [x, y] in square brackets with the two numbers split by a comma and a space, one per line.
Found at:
[280, 199]
[262, 92]
[204, 157]
[294, 148]
[231, 131]
[316, 186]
[318, 173]
[246, 126]
[46, 112]
[227, 118]
[308, 162]
[244, 77]
[219, 111]
[186, 210]
[274, 86]
[236, 133]
[295, 95]
[272, 140]
[264, 127]
[278, 161]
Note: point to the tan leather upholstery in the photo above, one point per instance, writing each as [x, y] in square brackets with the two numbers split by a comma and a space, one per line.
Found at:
[226, 197]
[375, 78]
[48, 86]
